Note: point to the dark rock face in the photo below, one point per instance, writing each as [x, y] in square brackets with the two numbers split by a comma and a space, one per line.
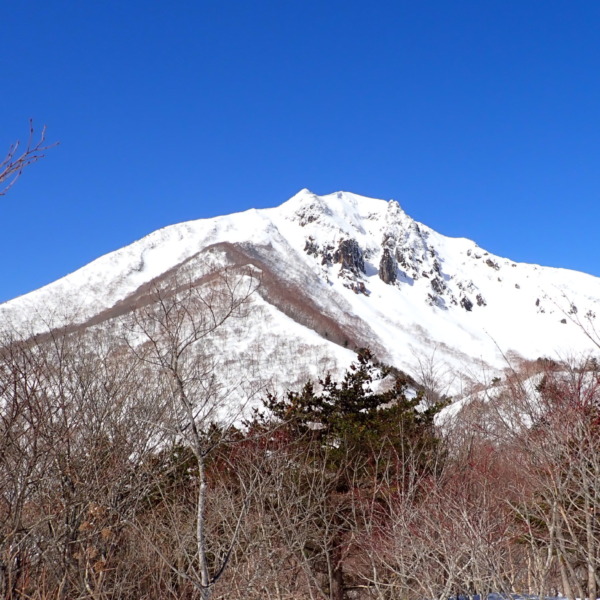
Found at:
[388, 267]
[310, 247]
[358, 287]
[324, 252]
[466, 303]
[438, 285]
[350, 256]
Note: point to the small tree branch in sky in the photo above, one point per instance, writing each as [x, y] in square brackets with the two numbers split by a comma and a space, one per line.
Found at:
[17, 159]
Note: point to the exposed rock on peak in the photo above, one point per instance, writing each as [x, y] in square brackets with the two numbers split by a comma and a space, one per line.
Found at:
[350, 256]
[388, 267]
[466, 303]
[308, 207]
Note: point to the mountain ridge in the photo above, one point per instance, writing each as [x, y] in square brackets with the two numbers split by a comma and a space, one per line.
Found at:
[355, 271]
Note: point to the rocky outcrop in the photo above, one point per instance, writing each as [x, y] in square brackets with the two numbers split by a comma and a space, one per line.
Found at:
[438, 285]
[466, 303]
[388, 267]
[350, 256]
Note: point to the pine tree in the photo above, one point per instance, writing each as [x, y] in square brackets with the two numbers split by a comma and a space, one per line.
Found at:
[354, 432]
[350, 417]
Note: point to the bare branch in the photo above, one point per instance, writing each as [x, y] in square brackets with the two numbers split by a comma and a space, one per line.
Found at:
[16, 159]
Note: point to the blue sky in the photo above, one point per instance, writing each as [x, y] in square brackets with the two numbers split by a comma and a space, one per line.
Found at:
[482, 118]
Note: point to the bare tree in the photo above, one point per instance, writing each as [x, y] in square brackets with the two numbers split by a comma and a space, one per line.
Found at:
[23, 463]
[175, 333]
[435, 376]
[17, 158]
[80, 425]
[546, 418]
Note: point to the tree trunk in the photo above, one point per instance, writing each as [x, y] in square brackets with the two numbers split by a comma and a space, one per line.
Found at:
[591, 549]
[201, 543]
[337, 573]
[567, 591]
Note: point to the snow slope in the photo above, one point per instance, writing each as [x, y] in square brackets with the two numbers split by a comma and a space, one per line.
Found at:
[376, 276]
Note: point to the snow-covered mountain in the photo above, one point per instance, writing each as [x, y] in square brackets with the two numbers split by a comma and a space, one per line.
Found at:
[341, 271]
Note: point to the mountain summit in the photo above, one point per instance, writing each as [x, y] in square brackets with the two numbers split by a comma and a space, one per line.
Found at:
[341, 271]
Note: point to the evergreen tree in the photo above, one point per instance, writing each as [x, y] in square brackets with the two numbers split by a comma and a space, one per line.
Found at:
[354, 433]
[349, 418]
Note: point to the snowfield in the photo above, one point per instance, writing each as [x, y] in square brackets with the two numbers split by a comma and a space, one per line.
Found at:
[344, 271]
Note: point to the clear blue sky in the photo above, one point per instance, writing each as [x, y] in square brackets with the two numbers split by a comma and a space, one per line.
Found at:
[481, 117]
